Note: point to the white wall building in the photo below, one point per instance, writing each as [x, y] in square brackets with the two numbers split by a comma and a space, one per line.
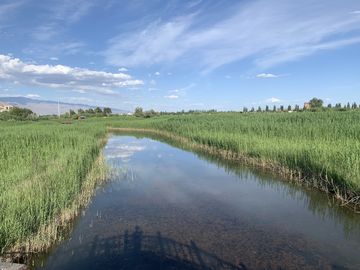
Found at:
[5, 107]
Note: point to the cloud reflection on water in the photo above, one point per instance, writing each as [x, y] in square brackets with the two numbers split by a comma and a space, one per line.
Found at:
[123, 151]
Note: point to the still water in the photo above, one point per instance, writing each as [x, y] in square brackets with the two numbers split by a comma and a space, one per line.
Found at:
[179, 208]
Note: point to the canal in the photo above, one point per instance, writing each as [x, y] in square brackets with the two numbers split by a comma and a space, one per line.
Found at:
[178, 208]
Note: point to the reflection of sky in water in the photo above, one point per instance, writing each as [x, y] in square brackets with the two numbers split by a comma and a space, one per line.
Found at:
[178, 180]
[223, 207]
[115, 150]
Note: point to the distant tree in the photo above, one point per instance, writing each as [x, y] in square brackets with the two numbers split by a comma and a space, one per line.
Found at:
[316, 103]
[267, 108]
[282, 108]
[90, 111]
[259, 109]
[150, 113]
[274, 109]
[4, 116]
[80, 111]
[354, 106]
[107, 110]
[98, 110]
[338, 105]
[297, 108]
[252, 109]
[19, 113]
[32, 117]
[329, 105]
[289, 108]
[72, 112]
[245, 109]
[139, 112]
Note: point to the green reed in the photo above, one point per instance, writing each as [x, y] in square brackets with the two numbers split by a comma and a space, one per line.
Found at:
[43, 164]
[324, 143]
[42, 167]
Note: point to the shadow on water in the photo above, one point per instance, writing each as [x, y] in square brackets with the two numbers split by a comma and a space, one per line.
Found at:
[157, 229]
[318, 203]
[139, 251]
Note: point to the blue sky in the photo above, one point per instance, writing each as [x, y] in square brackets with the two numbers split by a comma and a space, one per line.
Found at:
[173, 55]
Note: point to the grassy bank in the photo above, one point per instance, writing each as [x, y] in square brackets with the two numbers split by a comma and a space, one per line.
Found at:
[48, 171]
[321, 147]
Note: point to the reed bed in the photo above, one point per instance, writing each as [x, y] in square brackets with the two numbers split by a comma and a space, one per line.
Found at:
[324, 145]
[45, 166]
[43, 170]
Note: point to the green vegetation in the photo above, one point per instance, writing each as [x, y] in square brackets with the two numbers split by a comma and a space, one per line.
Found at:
[43, 172]
[322, 144]
[44, 165]
[18, 114]
[147, 114]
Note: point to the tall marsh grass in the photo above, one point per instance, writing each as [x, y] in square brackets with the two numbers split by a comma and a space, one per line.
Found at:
[44, 165]
[326, 144]
[42, 171]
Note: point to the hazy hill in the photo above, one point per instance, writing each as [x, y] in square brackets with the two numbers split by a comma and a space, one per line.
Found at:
[47, 107]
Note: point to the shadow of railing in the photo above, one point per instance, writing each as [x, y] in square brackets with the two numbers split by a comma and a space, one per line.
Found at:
[138, 251]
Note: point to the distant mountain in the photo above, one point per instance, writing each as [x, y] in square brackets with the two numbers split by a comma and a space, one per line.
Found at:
[48, 107]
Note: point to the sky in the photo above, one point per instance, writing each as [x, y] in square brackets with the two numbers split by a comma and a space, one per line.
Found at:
[178, 55]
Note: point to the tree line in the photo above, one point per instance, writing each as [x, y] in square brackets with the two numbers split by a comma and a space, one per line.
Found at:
[98, 112]
[315, 105]
[18, 114]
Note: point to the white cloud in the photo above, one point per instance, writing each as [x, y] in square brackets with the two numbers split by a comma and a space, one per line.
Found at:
[91, 63]
[122, 69]
[32, 96]
[227, 77]
[134, 88]
[288, 32]
[54, 58]
[152, 82]
[154, 89]
[77, 99]
[174, 91]
[80, 91]
[355, 12]
[198, 104]
[272, 100]
[263, 75]
[62, 77]
[327, 99]
[172, 96]
[158, 73]
[169, 73]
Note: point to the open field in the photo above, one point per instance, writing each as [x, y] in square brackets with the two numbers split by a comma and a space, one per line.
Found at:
[44, 165]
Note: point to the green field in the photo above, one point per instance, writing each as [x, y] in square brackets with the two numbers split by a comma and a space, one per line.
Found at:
[43, 165]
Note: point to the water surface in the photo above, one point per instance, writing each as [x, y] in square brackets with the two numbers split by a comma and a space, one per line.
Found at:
[178, 209]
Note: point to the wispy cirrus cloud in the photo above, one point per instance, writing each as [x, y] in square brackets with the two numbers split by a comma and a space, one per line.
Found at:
[272, 100]
[172, 96]
[263, 75]
[270, 32]
[32, 96]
